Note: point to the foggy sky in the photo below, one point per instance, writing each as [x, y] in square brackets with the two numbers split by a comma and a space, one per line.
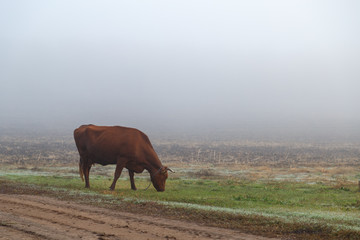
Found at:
[179, 64]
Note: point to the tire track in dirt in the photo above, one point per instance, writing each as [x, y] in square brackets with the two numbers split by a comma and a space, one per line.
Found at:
[37, 217]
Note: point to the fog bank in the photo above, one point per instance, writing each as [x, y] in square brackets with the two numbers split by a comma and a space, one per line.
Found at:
[237, 67]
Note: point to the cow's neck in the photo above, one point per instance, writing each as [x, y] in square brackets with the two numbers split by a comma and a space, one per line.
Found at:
[154, 167]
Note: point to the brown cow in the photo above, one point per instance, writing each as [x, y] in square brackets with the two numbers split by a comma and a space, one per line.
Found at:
[126, 147]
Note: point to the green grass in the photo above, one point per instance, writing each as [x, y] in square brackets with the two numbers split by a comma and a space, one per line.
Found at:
[219, 193]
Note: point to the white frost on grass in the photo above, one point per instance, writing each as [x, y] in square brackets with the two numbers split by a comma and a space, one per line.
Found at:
[335, 219]
[30, 172]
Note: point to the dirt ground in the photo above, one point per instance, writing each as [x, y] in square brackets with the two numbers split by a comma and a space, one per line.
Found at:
[37, 217]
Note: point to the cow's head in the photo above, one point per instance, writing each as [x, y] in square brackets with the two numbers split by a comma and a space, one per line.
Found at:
[159, 177]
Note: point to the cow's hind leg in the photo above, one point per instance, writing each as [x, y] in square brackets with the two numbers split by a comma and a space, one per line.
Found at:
[86, 170]
[131, 174]
[119, 168]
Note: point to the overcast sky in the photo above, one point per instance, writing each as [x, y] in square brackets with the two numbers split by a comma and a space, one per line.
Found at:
[179, 64]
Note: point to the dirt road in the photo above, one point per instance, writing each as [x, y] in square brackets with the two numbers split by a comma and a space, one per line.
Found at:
[36, 217]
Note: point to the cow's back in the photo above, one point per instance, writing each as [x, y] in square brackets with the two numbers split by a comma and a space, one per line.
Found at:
[104, 145]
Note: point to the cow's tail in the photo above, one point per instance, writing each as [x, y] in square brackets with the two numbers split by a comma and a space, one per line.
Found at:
[81, 164]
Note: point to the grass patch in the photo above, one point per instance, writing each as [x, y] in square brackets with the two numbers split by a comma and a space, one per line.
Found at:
[219, 193]
[308, 208]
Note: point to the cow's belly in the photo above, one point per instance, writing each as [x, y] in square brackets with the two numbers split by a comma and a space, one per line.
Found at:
[103, 159]
[135, 167]
[103, 162]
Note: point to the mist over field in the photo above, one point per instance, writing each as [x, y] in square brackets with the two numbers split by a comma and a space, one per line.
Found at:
[229, 69]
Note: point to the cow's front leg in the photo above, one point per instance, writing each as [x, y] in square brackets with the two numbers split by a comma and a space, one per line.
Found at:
[131, 174]
[119, 168]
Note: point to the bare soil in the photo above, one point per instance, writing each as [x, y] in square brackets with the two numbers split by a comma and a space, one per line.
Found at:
[39, 217]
